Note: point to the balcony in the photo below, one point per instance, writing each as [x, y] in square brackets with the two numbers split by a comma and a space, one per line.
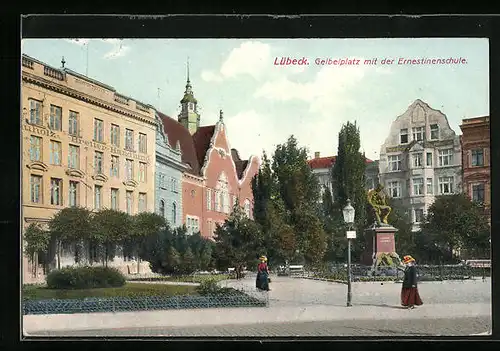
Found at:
[53, 73]
[142, 107]
[121, 99]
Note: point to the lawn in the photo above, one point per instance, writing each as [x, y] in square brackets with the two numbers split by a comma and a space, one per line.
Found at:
[32, 292]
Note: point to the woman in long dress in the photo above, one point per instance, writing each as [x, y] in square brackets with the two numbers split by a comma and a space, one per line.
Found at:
[262, 282]
[409, 292]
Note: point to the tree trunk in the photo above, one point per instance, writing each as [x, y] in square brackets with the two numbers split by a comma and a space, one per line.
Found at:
[58, 255]
[138, 261]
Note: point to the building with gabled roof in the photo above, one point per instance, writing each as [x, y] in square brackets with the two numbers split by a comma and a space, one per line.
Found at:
[215, 177]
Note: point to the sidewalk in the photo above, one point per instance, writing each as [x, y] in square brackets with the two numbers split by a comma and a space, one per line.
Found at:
[234, 316]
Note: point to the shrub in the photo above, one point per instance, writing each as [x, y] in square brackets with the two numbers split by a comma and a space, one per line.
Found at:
[85, 278]
[209, 287]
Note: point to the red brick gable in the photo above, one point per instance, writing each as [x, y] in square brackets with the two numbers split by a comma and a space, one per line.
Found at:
[202, 139]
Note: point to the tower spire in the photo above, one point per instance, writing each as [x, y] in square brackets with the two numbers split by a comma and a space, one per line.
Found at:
[187, 70]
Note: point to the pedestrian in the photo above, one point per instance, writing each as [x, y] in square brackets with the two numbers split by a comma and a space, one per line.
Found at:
[262, 281]
[409, 292]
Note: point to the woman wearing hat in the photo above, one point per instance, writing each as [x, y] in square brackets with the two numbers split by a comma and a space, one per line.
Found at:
[409, 293]
[262, 281]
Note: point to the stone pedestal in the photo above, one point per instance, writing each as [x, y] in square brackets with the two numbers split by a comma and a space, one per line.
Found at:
[379, 240]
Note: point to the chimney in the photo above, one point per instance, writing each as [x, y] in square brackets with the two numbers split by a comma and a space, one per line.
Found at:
[316, 154]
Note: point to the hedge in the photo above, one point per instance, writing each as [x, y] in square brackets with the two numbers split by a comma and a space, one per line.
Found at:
[85, 278]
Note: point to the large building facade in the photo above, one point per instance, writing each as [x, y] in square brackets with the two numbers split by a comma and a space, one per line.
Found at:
[476, 159]
[169, 174]
[216, 178]
[83, 144]
[420, 158]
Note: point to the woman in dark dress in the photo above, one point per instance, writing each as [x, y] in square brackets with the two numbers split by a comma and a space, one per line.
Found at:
[409, 293]
[262, 282]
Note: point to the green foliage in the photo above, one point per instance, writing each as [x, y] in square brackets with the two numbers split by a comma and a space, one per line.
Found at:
[455, 222]
[37, 241]
[239, 241]
[209, 287]
[85, 278]
[404, 237]
[110, 228]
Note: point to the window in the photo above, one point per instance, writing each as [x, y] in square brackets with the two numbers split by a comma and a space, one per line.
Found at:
[418, 133]
[223, 192]
[394, 189]
[98, 164]
[161, 180]
[403, 136]
[35, 148]
[97, 197]
[162, 208]
[35, 112]
[73, 194]
[114, 199]
[143, 144]
[394, 163]
[209, 199]
[430, 186]
[418, 186]
[129, 200]
[417, 160]
[36, 189]
[55, 122]
[192, 225]
[369, 183]
[190, 106]
[477, 158]
[115, 166]
[434, 131]
[247, 208]
[98, 130]
[418, 215]
[429, 159]
[142, 202]
[73, 123]
[446, 157]
[55, 153]
[55, 191]
[478, 192]
[115, 135]
[174, 213]
[129, 139]
[445, 185]
[74, 157]
[173, 183]
[129, 169]
[216, 201]
[142, 172]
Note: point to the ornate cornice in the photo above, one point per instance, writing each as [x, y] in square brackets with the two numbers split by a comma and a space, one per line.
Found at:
[75, 173]
[100, 177]
[38, 166]
[59, 88]
[131, 183]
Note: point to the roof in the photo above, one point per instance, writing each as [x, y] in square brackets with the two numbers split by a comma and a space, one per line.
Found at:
[194, 147]
[326, 162]
[176, 132]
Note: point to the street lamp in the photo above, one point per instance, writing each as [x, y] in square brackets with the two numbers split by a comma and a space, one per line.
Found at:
[349, 212]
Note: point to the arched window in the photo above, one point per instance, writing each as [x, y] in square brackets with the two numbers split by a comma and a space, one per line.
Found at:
[222, 193]
[174, 213]
[162, 208]
[247, 208]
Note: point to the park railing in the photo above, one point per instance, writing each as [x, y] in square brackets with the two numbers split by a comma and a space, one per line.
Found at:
[338, 272]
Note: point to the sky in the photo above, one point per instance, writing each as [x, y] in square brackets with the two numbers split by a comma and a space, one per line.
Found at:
[264, 103]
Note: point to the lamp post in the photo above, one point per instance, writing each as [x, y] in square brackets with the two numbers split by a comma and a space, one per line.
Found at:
[349, 213]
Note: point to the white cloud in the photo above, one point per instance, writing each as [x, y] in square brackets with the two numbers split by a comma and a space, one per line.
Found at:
[118, 51]
[111, 41]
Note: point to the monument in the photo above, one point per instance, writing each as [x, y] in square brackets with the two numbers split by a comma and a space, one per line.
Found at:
[381, 244]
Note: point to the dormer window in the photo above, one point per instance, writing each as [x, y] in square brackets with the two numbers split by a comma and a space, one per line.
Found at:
[434, 131]
[418, 133]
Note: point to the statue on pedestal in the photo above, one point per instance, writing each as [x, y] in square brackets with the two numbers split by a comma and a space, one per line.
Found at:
[378, 200]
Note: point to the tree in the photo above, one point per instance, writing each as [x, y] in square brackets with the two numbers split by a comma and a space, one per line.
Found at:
[71, 226]
[456, 223]
[36, 242]
[109, 228]
[144, 224]
[404, 237]
[188, 261]
[348, 179]
[239, 241]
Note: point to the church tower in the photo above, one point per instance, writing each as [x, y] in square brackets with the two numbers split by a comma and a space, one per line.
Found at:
[189, 116]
